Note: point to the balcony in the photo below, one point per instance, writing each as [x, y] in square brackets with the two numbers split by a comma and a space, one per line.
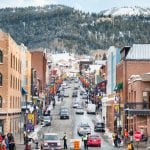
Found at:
[137, 108]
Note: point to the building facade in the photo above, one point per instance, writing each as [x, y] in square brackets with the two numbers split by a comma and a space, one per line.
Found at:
[138, 105]
[10, 84]
[112, 61]
[134, 60]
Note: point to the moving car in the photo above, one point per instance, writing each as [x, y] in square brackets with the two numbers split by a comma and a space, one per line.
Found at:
[64, 114]
[99, 126]
[79, 110]
[75, 94]
[94, 140]
[83, 128]
[51, 141]
[75, 104]
[91, 109]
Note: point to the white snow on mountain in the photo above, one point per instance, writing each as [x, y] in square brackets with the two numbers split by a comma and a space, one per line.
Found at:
[127, 11]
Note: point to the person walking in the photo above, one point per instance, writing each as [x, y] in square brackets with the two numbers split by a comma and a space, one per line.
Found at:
[2, 143]
[85, 140]
[131, 134]
[11, 141]
[65, 140]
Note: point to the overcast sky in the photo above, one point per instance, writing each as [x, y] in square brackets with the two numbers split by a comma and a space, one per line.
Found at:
[84, 5]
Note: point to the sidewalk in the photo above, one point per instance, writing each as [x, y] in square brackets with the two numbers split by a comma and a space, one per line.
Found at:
[140, 145]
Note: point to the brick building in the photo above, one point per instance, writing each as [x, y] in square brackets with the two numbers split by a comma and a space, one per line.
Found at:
[139, 102]
[10, 84]
[134, 60]
[39, 65]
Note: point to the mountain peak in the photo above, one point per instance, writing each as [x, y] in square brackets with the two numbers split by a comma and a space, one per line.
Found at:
[127, 11]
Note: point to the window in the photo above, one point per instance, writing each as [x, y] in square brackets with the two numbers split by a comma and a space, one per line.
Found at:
[1, 101]
[1, 56]
[10, 101]
[16, 64]
[1, 79]
[11, 81]
[11, 59]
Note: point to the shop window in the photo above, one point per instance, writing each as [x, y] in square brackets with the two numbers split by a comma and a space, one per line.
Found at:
[1, 101]
[1, 79]
[1, 56]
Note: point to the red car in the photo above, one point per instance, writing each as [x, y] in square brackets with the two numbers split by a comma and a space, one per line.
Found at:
[94, 140]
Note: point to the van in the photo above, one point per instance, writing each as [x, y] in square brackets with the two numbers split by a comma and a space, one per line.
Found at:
[91, 109]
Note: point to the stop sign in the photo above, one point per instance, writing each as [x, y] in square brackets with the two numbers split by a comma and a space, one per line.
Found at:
[137, 136]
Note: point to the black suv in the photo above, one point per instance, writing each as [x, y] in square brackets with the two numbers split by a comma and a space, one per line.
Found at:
[99, 126]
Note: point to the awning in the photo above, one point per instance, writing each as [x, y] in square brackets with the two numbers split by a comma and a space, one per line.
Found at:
[23, 91]
[119, 86]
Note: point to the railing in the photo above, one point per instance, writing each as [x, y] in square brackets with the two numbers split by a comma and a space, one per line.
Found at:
[137, 105]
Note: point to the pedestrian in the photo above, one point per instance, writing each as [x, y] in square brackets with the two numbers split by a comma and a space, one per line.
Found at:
[2, 143]
[131, 134]
[126, 135]
[65, 140]
[5, 141]
[116, 140]
[85, 140]
[11, 141]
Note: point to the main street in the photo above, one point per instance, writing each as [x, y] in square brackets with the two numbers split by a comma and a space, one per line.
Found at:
[70, 126]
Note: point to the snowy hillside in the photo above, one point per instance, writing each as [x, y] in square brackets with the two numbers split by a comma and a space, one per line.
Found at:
[127, 11]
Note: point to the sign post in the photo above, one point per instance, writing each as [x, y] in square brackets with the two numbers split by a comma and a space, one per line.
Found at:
[137, 137]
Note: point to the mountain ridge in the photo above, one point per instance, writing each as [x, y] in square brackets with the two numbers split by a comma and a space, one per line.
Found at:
[59, 28]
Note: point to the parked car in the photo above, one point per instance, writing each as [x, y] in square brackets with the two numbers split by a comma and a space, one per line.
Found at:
[99, 126]
[84, 95]
[94, 140]
[83, 128]
[47, 120]
[64, 114]
[79, 110]
[51, 141]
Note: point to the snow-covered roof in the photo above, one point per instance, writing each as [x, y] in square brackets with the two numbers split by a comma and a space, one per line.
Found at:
[139, 51]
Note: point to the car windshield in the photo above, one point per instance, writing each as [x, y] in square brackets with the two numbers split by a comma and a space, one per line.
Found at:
[84, 125]
[100, 124]
[51, 137]
[46, 118]
[94, 137]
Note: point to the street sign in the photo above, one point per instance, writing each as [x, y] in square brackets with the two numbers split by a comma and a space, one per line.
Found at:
[137, 136]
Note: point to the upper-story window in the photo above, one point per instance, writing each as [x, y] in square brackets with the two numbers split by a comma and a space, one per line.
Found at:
[1, 56]
[1, 101]
[1, 79]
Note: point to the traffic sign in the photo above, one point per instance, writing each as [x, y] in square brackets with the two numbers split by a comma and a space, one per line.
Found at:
[137, 136]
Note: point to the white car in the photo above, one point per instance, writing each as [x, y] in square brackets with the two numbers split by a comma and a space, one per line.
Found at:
[51, 141]
[79, 110]
[75, 104]
[83, 128]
